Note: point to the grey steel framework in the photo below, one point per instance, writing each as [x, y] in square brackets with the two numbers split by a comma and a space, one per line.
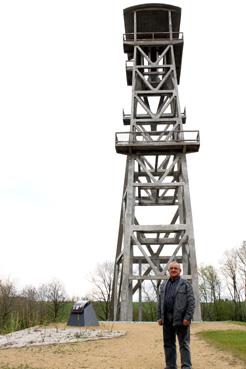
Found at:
[156, 176]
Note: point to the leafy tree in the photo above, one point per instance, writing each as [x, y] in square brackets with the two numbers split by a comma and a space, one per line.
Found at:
[210, 288]
[230, 269]
[210, 284]
[242, 265]
[55, 293]
[102, 285]
[28, 306]
[7, 293]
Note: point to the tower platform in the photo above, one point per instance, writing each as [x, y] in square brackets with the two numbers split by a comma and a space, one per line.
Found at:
[149, 143]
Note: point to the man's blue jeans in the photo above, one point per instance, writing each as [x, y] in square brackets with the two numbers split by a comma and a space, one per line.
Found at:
[169, 337]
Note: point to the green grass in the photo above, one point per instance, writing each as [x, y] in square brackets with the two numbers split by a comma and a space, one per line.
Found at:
[233, 341]
[238, 323]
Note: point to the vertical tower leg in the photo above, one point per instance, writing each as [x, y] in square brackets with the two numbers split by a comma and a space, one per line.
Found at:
[189, 255]
[126, 309]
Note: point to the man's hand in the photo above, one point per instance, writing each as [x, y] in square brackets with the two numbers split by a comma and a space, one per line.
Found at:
[160, 321]
[186, 323]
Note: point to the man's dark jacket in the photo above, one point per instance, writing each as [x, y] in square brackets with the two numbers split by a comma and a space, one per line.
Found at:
[184, 303]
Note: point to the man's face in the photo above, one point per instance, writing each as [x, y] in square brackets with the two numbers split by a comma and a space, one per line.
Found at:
[174, 270]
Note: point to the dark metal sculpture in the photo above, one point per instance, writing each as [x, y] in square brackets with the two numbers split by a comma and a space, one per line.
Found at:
[83, 314]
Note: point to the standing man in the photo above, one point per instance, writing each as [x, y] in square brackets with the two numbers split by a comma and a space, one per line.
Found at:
[175, 310]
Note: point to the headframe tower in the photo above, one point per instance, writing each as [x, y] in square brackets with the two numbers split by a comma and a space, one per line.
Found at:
[156, 224]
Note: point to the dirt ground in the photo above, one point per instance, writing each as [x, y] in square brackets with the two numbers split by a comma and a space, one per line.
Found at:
[140, 348]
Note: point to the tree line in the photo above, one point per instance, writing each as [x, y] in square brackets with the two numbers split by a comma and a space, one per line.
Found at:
[222, 289]
[31, 306]
[222, 292]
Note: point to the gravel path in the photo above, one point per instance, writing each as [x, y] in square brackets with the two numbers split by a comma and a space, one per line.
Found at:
[140, 348]
[46, 336]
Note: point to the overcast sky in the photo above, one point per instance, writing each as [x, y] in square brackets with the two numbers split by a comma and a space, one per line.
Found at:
[62, 90]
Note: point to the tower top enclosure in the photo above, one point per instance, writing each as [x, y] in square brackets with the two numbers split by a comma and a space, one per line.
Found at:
[158, 23]
[152, 18]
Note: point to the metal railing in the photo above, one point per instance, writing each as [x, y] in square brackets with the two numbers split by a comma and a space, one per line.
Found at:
[146, 36]
[157, 137]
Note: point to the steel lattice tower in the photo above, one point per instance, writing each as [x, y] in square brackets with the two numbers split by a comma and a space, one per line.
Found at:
[156, 177]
